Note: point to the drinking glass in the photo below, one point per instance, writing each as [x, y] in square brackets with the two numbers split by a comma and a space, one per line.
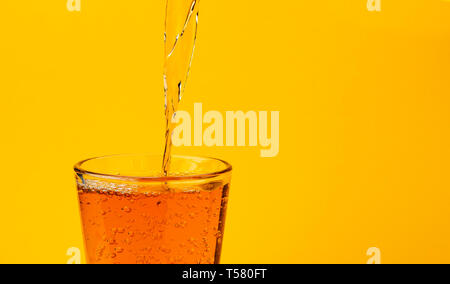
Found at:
[131, 213]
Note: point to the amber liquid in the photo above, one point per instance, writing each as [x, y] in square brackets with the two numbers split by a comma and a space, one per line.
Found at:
[167, 227]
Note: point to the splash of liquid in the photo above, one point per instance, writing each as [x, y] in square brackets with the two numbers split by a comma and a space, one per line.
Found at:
[180, 37]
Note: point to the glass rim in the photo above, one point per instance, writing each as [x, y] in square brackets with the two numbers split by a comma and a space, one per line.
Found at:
[78, 168]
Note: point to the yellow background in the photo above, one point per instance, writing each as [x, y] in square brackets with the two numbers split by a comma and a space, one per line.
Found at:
[364, 107]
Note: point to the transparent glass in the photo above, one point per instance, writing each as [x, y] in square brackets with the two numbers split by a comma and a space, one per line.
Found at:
[133, 214]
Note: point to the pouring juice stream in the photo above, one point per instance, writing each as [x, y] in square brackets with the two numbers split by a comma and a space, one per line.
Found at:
[180, 37]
